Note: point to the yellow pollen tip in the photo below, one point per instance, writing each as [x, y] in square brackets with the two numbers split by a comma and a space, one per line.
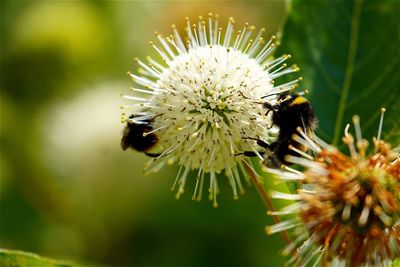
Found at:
[268, 230]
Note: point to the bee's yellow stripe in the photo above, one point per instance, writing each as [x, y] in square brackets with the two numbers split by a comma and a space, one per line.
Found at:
[298, 100]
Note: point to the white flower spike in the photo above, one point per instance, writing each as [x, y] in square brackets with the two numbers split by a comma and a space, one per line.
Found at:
[203, 100]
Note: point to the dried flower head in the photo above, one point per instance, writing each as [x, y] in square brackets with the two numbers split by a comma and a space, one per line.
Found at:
[203, 99]
[349, 205]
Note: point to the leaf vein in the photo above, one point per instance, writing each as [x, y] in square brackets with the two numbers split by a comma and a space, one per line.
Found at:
[354, 31]
[386, 72]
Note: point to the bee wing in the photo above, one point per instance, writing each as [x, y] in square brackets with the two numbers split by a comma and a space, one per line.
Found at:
[125, 144]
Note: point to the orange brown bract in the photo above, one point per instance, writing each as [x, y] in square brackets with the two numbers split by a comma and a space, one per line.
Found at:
[348, 205]
[353, 210]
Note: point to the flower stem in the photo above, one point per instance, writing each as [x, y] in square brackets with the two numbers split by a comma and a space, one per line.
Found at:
[265, 198]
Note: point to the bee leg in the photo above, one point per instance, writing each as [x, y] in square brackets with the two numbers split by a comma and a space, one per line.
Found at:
[152, 155]
[274, 146]
[260, 142]
[269, 108]
[249, 154]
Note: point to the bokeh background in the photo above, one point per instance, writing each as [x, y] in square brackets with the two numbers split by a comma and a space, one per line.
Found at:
[67, 190]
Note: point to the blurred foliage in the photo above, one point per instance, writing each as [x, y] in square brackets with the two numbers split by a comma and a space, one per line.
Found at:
[13, 258]
[349, 55]
[66, 188]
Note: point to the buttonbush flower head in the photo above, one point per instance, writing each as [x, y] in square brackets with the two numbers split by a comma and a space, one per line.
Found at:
[348, 205]
[203, 99]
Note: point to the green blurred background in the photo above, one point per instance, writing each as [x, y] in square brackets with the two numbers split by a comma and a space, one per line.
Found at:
[67, 190]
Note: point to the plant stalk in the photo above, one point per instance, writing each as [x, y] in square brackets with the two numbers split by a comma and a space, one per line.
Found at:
[265, 198]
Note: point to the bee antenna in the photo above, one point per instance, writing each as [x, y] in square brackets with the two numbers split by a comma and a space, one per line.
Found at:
[255, 100]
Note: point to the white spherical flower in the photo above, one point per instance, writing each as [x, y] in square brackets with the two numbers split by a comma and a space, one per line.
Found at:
[204, 100]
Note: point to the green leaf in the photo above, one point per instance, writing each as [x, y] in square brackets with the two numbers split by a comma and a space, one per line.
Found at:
[13, 258]
[349, 55]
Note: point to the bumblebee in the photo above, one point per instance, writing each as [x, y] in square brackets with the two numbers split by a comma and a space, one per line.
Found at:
[134, 136]
[289, 113]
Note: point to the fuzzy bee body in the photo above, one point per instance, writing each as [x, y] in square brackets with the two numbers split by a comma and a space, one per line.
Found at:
[134, 136]
[291, 111]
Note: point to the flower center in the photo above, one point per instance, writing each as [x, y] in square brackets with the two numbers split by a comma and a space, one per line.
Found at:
[213, 80]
